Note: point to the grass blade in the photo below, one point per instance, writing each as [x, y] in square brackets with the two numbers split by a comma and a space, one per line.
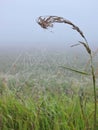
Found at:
[77, 71]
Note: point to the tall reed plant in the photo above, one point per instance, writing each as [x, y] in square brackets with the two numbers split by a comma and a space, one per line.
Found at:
[48, 21]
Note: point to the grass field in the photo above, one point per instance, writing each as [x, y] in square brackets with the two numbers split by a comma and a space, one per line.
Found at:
[37, 94]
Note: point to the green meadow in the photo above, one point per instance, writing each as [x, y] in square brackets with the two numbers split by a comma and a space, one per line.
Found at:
[37, 93]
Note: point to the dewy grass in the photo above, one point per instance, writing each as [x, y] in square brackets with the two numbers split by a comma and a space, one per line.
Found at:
[48, 21]
[49, 112]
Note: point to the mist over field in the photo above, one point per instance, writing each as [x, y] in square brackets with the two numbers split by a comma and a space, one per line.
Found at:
[55, 52]
[48, 70]
[58, 54]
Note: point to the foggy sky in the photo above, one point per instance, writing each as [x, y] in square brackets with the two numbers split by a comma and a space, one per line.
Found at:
[18, 21]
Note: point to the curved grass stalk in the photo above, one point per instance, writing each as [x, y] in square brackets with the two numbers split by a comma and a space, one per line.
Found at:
[48, 21]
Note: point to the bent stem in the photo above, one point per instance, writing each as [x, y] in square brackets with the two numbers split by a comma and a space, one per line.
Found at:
[48, 21]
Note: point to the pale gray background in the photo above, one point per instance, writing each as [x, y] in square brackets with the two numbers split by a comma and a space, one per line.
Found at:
[18, 21]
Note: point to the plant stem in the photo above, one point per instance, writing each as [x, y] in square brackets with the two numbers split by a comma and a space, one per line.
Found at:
[46, 22]
[94, 86]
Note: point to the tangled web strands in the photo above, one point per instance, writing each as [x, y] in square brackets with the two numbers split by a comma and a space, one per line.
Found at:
[48, 21]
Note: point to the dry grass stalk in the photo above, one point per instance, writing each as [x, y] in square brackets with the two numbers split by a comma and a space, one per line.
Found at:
[48, 21]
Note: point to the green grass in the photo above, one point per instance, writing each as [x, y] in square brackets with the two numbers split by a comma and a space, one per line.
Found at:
[40, 95]
[46, 111]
